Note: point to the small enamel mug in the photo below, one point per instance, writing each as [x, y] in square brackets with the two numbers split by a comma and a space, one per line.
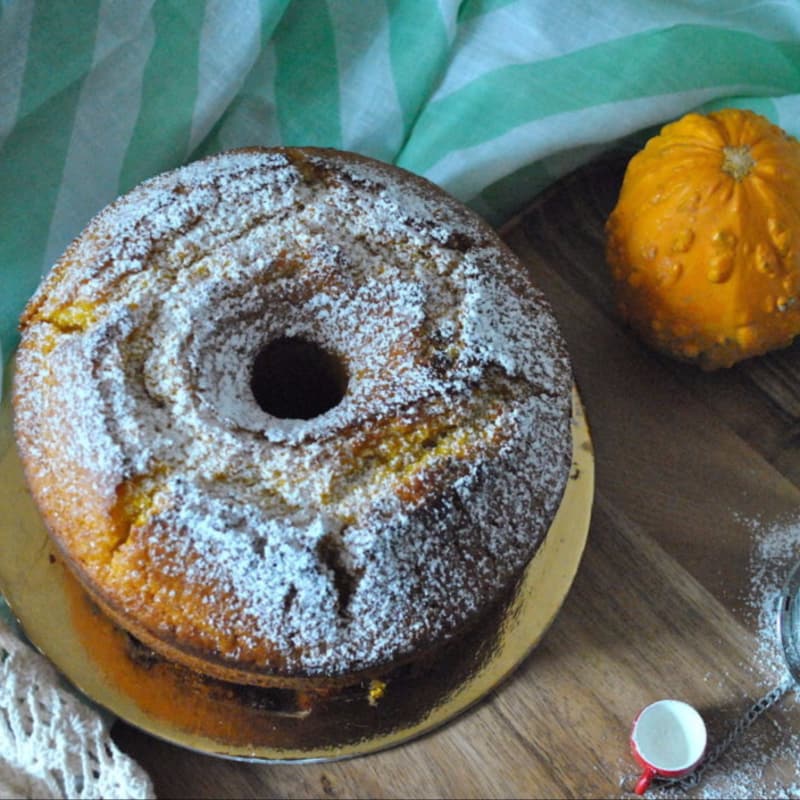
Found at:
[668, 740]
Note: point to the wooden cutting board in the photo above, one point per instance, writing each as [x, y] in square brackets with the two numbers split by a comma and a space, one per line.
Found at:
[662, 604]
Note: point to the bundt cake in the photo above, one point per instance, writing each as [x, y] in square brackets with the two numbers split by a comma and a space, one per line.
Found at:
[292, 415]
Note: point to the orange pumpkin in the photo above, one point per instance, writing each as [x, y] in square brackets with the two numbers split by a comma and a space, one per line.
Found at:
[704, 242]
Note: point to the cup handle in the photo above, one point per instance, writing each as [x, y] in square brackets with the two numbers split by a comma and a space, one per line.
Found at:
[645, 781]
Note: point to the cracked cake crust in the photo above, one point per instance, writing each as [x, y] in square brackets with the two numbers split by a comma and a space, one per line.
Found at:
[266, 548]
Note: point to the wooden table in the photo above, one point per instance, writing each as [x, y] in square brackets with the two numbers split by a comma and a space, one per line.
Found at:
[661, 605]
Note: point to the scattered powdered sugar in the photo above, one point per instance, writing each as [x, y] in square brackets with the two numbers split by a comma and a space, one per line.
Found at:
[776, 549]
[338, 542]
[765, 761]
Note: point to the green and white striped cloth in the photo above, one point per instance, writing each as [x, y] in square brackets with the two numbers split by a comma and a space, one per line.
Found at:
[492, 99]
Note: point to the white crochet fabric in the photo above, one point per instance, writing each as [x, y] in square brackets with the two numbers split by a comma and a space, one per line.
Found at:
[52, 745]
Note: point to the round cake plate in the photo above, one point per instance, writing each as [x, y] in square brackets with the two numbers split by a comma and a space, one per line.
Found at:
[277, 725]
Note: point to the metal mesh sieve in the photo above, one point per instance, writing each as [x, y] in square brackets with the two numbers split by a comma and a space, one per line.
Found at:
[789, 622]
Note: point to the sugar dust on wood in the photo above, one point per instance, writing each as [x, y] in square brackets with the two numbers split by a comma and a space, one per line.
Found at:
[765, 762]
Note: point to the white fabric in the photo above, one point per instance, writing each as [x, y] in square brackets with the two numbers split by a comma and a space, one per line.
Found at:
[53, 745]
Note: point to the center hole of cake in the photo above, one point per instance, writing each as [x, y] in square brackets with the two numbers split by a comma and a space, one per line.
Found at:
[293, 378]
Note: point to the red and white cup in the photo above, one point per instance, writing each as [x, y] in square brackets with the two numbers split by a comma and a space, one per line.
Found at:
[668, 740]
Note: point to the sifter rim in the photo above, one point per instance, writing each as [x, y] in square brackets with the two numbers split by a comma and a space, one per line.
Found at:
[789, 622]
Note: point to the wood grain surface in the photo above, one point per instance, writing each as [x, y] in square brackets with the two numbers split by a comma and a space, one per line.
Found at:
[685, 460]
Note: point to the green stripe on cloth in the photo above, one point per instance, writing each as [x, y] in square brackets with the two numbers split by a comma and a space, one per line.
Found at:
[470, 9]
[307, 76]
[689, 57]
[255, 83]
[60, 50]
[500, 201]
[169, 89]
[419, 53]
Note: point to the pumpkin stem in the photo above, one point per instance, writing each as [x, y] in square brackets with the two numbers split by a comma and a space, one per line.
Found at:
[737, 161]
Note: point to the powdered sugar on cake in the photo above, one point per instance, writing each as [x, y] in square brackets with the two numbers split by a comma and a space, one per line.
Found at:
[345, 540]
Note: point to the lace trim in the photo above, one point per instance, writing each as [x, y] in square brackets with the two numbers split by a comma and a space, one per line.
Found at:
[51, 743]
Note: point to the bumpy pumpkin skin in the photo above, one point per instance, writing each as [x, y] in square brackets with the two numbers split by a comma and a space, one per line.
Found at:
[704, 242]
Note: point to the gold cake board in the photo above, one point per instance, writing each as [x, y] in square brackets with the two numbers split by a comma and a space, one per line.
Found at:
[233, 721]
